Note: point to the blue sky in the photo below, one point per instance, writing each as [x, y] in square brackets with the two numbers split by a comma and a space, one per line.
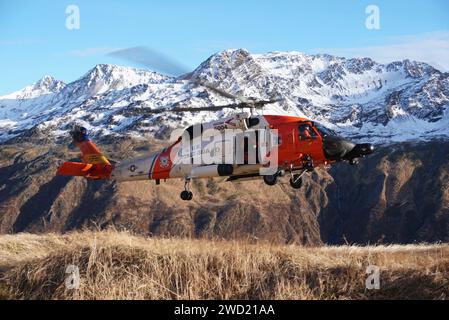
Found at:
[34, 40]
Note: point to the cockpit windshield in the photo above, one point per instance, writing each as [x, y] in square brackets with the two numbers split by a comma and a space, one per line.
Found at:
[324, 132]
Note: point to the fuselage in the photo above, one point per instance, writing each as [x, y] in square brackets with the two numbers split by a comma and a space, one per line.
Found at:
[296, 140]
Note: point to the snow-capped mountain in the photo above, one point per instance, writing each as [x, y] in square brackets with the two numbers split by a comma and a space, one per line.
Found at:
[403, 100]
[46, 85]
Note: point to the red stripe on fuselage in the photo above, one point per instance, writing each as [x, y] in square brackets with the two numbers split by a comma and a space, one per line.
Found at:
[162, 165]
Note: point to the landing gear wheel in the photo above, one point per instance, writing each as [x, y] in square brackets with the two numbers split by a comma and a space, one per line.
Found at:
[296, 181]
[271, 180]
[186, 195]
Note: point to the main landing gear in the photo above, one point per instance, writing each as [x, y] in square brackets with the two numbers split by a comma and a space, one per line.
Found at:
[307, 166]
[296, 180]
[271, 180]
[187, 195]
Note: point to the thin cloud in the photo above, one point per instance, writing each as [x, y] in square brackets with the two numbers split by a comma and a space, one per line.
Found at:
[432, 48]
[19, 42]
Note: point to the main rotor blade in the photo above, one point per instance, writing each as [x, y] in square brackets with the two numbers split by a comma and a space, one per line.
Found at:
[221, 92]
[157, 61]
[151, 59]
[257, 105]
[190, 109]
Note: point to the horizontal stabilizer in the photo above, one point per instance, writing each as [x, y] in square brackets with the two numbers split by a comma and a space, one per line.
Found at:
[87, 170]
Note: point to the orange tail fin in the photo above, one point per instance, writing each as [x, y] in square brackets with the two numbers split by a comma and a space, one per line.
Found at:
[94, 166]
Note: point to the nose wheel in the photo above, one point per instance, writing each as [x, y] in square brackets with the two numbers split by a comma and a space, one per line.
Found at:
[187, 195]
[296, 181]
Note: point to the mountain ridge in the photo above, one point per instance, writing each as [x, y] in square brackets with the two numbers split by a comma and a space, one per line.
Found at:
[400, 101]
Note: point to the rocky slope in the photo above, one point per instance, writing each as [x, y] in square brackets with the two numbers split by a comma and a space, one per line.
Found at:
[33, 199]
[398, 195]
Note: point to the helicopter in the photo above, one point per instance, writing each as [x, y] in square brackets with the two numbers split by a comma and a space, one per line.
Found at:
[243, 146]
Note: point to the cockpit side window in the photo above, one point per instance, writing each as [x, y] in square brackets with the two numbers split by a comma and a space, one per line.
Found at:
[325, 131]
[306, 132]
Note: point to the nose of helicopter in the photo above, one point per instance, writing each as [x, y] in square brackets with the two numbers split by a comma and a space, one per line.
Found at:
[337, 148]
[361, 150]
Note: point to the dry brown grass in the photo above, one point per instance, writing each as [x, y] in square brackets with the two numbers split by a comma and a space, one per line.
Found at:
[117, 265]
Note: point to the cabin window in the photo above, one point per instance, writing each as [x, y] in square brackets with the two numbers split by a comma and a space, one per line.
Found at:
[190, 130]
[306, 132]
[252, 122]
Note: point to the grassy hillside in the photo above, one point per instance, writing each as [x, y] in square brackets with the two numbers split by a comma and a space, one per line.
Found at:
[117, 265]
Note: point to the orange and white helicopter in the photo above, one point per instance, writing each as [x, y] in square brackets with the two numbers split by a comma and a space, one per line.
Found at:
[241, 147]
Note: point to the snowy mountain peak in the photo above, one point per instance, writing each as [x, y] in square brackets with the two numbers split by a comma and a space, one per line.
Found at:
[224, 61]
[114, 72]
[106, 77]
[49, 84]
[46, 85]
